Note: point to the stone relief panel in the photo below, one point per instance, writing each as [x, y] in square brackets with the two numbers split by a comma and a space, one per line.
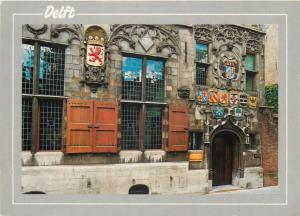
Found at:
[37, 31]
[67, 33]
[153, 39]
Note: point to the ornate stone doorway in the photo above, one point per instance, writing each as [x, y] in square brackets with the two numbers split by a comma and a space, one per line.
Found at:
[223, 157]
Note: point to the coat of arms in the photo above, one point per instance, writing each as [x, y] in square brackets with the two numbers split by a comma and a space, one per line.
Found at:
[95, 55]
[202, 96]
[94, 43]
[229, 65]
[213, 97]
[243, 100]
[238, 112]
[219, 112]
[233, 99]
[252, 102]
[223, 98]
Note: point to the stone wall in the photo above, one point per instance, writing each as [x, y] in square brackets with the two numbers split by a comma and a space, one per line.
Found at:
[160, 178]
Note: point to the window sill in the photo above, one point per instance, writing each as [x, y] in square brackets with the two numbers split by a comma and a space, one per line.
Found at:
[142, 102]
[203, 63]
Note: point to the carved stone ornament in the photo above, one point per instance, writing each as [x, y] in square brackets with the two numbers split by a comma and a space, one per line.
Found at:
[95, 57]
[37, 29]
[253, 40]
[148, 36]
[203, 32]
[75, 31]
[184, 92]
[229, 65]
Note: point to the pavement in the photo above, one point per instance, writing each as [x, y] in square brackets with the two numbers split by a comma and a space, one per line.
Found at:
[230, 189]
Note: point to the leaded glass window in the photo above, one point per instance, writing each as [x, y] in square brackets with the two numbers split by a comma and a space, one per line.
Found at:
[130, 126]
[153, 128]
[42, 115]
[202, 53]
[155, 83]
[250, 72]
[143, 96]
[51, 71]
[27, 68]
[250, 63]
[132, 78]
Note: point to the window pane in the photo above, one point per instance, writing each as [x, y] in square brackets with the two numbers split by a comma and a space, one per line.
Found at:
[51, 72]
[155, 82]
[130, 126]
[195, 140]
[153, 128]
[200, 75]
[249, 82]
[50, 124]
[26, 124]
[252, 144]
[132, 78]
[250, 63]
[27, 68]
[202, 52]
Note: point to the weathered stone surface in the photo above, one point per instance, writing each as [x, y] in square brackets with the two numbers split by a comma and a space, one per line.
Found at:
[48, 158]
[161, 178]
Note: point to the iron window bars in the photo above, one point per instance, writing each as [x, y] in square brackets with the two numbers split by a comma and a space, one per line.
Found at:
[201, 74]
[42, 95]
[202, 63]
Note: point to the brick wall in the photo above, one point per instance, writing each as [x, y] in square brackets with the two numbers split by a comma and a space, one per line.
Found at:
[269, 146]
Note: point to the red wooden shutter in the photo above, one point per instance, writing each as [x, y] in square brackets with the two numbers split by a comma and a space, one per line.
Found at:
[79, 120]
[106, 125]
[178, 128]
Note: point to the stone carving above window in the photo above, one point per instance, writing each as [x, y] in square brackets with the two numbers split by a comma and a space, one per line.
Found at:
[250, 39]
[75, 32]
[37, 29]
[163, 38]
[203, 32]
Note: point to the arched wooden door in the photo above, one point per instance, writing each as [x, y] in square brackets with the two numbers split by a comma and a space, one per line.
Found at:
[223, 158]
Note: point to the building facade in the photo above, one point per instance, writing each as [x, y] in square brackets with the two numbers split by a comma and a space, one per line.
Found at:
[160, 109]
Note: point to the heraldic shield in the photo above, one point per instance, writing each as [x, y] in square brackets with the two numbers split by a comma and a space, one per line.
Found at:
[243, 100]
[202, 96]
[233, 99]
[95, 57]
[219, 112]
[213, 96]
[229, 65]
[223, 98]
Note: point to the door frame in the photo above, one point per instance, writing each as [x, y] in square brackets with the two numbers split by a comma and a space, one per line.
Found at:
[229, 127]
[229, 141]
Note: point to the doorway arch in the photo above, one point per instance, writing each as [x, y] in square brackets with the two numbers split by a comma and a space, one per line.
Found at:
[226, 153]
[224, 156]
